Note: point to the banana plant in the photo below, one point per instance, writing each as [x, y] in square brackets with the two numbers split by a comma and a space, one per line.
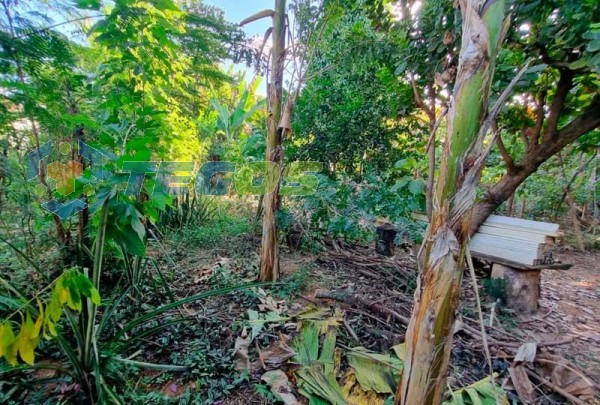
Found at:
[231, 123]
[429, 334]
[269, 252]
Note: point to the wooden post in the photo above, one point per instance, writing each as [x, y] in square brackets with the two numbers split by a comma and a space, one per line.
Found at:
[522, 287]
[386, 234]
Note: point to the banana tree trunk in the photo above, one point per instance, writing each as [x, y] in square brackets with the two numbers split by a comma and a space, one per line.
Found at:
[429, 335]
[269, 252]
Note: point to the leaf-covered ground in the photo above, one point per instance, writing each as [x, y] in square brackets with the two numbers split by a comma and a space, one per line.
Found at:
[569, 313]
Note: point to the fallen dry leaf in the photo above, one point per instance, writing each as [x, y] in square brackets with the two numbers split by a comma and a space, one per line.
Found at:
[241, 354]
[280, 386]
[526, 353]
[564, 375]
[277, 353]
[522, 384]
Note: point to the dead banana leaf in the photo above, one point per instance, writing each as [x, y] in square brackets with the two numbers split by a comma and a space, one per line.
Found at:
[526, 352]
[522, 384]
[564, 375]
[374, 371]
[241, 353]
[355, 395]
[257, 16]
[277, 353]
[280, 386]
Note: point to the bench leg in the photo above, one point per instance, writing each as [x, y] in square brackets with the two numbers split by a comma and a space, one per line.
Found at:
[522, 287]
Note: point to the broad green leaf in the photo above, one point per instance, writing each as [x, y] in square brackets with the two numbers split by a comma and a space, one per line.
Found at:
[416, 187]
[25, 342]
[375, 371]
[400, 351]
[7, 338]
[474, 395]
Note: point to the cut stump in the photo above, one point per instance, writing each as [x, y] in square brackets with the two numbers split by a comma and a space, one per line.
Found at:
[386, 234]
[522, 287]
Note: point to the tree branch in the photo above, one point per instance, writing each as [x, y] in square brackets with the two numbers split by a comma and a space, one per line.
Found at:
[565, 83]
[419, 101]
[539, 123]
[582, 167]
[510, 163]
[535, 156]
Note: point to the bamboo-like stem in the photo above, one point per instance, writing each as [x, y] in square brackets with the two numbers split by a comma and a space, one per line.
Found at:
[89, 342]
[269, 252]
[429, 335]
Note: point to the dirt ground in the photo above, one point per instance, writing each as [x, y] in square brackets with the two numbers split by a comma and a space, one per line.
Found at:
[570, 307]
[569, 312]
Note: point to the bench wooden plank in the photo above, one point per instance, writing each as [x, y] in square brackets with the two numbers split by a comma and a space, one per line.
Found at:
[520, 243]
[513, 234]
[521, 251]
[520, 266]
[545, 228]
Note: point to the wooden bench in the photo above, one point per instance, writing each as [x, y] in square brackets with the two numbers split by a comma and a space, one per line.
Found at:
[518, 250]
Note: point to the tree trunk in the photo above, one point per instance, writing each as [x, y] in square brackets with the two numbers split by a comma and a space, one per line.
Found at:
[571, 204]
[431, 153]
[510, 208]
[269, 252]
[430, 180]
[84, 215]
[576, 225]
[429, 335]
[523, 207]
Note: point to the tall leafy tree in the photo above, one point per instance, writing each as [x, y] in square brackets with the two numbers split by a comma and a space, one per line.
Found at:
[554, 103]
[350, 130]
[557, 102]
[40, 87]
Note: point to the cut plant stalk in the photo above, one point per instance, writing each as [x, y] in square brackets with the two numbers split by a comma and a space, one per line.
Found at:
[429, 335]
[269, 252]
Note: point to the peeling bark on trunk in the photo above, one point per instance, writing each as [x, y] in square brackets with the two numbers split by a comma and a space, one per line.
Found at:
[269, 252]
[430, 180]
[429, 335]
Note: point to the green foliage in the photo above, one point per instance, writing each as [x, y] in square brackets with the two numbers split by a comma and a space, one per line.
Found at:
[235, 122]
[295, 284]
[189, 209]
[67, 291]
[496, 288]
[145, 82]
[232, 122]
[484, 392]
[346, 116]
[346, 209]
[218, 232]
